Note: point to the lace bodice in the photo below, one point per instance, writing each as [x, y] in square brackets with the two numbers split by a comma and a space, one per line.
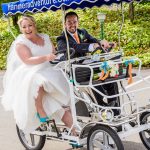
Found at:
[36, 50]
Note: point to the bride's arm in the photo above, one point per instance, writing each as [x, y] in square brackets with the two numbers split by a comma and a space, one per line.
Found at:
[26, 56]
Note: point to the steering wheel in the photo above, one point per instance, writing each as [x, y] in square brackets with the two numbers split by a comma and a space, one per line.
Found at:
[62, 55]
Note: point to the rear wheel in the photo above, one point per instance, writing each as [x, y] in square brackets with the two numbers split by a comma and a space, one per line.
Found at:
[31, 141]
[103, 137]
[145, 135]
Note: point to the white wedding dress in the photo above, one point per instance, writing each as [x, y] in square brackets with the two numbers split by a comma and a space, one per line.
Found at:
[22, 82]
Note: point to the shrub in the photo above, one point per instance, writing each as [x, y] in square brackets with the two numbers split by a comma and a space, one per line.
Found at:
[134, 37]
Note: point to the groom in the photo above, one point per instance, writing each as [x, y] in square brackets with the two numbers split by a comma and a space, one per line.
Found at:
[83, 42]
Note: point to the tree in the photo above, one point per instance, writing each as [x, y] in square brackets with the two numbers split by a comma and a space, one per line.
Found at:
[131, 11]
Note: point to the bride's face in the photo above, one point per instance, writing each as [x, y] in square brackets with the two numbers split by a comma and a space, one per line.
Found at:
[28, 28]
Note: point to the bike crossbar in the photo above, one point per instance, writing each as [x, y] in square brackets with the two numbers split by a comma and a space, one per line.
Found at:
[133, 130]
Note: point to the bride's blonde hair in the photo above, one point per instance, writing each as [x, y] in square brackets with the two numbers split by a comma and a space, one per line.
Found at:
[27, 17]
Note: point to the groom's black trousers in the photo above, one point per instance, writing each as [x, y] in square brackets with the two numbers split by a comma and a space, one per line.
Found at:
[108, 89]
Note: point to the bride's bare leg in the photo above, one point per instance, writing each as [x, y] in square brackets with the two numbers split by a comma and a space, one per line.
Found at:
[68, 121]
[39, 104]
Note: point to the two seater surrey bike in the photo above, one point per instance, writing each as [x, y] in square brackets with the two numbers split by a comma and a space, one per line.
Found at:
[99, 127]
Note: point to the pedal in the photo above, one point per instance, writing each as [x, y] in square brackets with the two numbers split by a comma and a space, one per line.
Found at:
[133, 123]
[54, 127]
[127, 126]
[119, 128]
[43, 126]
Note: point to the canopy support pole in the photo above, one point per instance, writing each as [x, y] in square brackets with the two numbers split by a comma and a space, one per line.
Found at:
[73, 109]
[67, 42]
[9, 28]
[64, 29]
[121, 26]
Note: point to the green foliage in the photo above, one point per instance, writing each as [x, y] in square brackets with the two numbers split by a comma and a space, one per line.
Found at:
[50, 23]
[5, 41]
[145, 59]
[135, 37]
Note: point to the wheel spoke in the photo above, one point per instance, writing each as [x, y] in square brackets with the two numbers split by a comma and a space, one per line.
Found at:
[111, 148]
[106, 142]
[98, 144]
[108, 148]
[32, 139]
[105, 139]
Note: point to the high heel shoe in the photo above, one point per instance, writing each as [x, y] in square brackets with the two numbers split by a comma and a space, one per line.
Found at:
[74, 144]
[42, 120]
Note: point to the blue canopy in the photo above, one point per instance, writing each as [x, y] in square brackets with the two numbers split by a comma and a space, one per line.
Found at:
[33, 6]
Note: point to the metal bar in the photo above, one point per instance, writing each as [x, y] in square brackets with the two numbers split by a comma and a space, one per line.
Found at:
[9, 28]
[137, 82]
[133, 130]
[65, 32]
[122, 12]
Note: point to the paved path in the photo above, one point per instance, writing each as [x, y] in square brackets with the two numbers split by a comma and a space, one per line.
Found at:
[10, 141]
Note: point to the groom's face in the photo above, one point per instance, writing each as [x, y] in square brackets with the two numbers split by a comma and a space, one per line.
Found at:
[72, 23]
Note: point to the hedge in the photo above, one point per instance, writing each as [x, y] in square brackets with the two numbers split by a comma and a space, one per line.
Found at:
[135, 37]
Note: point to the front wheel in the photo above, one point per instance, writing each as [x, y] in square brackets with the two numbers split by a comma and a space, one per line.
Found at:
[103, 137]
[31, 141]
[145, 135]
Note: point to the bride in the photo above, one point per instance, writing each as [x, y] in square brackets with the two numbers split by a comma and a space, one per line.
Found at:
[33, 90]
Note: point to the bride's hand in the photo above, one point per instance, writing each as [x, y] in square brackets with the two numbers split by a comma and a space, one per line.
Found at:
[50, 57]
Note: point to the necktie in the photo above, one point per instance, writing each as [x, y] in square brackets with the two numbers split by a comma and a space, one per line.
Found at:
[76, 38]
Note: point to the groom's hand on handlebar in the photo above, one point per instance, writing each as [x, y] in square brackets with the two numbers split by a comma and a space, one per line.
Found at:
[107, 45]
[104, 44]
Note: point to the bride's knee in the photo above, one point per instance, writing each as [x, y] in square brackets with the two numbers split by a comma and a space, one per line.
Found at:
[41, 90]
